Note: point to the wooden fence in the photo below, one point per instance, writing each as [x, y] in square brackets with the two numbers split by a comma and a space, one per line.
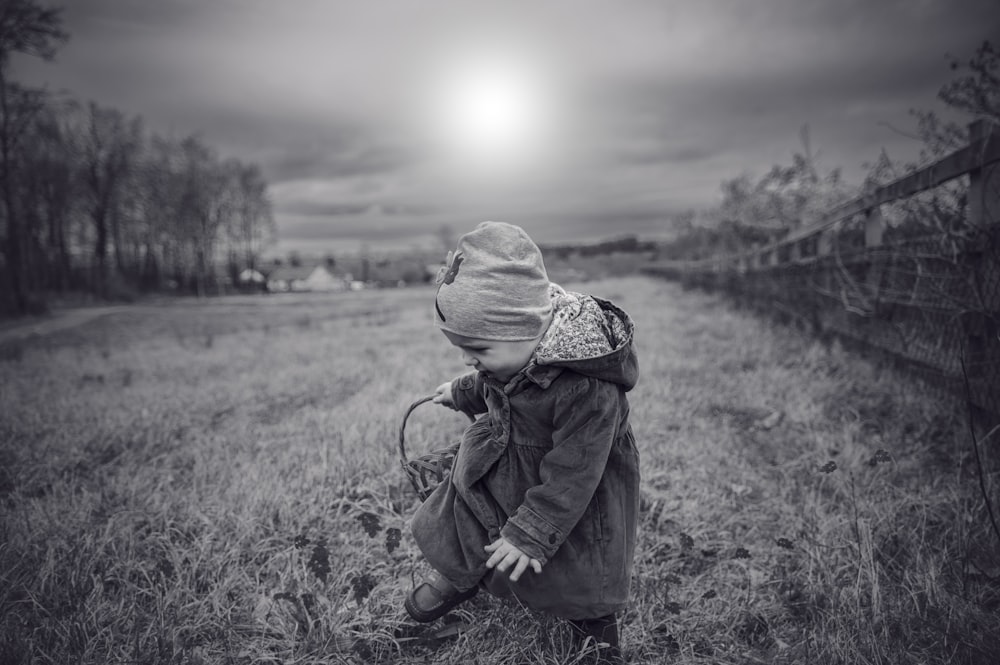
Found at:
[930, 301]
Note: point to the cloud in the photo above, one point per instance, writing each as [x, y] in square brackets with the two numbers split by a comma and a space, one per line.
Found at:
[656, 102]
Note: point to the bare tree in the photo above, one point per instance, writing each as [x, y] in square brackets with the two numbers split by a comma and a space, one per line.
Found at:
[108, 146]
[206, 204]
[48, 198]
[26, 28]
[974, 91]
[84, 189]
[162, 239]
[252, 224]
[197, 208]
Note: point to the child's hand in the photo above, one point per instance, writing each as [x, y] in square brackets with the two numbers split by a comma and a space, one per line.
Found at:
[504, 555]
[443, 395]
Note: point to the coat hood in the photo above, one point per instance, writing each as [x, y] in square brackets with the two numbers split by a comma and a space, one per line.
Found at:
[589, 336]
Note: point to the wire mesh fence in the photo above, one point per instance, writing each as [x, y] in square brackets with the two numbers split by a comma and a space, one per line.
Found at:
[929, 301]
[918, 302]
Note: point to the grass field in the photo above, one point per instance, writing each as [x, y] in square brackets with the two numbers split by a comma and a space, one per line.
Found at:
[217, 482]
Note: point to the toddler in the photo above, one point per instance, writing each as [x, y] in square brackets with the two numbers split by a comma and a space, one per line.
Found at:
[543, 498]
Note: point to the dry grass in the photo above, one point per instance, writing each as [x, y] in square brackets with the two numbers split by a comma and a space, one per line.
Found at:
[217, 483]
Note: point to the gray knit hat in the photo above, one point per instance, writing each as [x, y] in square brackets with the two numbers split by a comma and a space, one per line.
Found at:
[494, 286]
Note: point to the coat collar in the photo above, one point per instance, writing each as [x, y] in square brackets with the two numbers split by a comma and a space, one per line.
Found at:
[541, 375]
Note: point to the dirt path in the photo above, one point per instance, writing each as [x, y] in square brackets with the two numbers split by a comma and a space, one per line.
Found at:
[58, 320]
[71, 317]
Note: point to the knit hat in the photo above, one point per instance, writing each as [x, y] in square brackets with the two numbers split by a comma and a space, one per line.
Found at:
[494, 286]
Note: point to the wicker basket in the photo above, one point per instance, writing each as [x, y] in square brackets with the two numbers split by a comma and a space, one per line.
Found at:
[429, 470]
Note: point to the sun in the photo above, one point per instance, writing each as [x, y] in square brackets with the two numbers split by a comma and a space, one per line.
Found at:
[492, 109]
[492, 112]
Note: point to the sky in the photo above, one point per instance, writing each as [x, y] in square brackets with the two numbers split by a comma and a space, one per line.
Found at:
[377, 123]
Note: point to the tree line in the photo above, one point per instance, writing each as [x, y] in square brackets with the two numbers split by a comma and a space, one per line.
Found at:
[92, 201]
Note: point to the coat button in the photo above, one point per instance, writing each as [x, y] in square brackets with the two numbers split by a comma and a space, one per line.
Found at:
[552, 539]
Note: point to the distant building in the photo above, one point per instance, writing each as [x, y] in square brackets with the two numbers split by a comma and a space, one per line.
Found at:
[251, 276]
[304, 278]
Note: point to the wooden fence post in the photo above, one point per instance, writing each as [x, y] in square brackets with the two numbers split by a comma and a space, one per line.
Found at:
[824, 245]
[984, 182]
[794, 252]
[824, 248]
[874, 227]
[980, 329]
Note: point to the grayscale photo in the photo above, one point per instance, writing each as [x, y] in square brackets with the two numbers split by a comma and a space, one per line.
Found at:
[495, 332]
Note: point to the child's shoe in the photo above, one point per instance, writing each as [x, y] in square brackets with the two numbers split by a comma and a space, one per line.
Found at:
[604, 631]
[435, 597]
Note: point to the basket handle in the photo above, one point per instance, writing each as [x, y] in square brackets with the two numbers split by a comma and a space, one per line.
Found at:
[402, 425]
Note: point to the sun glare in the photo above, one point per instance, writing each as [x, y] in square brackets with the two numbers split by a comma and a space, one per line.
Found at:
[491, 112]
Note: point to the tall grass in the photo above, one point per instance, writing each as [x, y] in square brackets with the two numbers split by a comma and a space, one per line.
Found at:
[218, 484]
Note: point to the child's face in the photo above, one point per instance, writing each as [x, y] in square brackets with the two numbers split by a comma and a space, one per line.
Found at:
[501, 360]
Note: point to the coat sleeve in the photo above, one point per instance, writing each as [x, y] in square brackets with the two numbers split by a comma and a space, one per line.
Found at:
[467, 393]
[586, 421]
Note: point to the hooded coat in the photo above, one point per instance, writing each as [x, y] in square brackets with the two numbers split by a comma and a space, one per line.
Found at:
[550, 464]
